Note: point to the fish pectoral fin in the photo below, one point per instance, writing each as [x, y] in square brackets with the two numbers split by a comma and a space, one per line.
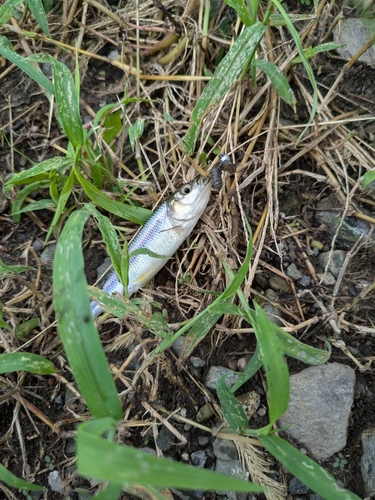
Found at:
[177, 229]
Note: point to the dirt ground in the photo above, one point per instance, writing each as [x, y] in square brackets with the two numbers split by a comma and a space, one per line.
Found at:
[29, 447]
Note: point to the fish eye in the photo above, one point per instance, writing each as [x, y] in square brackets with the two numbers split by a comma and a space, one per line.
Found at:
[186, 189]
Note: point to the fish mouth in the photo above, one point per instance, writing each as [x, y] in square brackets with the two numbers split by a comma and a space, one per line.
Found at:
[202, 180]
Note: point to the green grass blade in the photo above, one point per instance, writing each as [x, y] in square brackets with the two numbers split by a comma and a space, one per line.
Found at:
[35, 205]
[112, 491]
[274, 364]
[11, 480]
[138, 215]
[16, 361]
[231, 407]
[37, 8]
[63, 199]
[26, 66]
[305, 62]
[3, 323]
[278, 80]
[312, 51]
[76, 325]
[240, 7]
[303, 352]
[252, 367]
[4, 269]
[23, 329]
[108, 461]
[225, 75]
[58, 163]
[308, 471]
[109, 236]
[21, 195]
[7, 10]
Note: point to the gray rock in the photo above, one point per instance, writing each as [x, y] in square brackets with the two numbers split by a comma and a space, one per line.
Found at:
[280, 284]
[48, 255]
[273, 314]
[271, 295]
[203, 440]
[204, 413]
[197, 362]
[293, 272]
[38, 245]
[233, 468]
[55, 481]
[368, 462]
[199, 458]
[332, 261]
[315, 496]
[70, 447]
[320, 401]
[305, 281]
[225, 449]
[349, 230]
[165, 439]
[326, 279]
[355, 33]
[178, 345]
[296, 487]
[215, 372]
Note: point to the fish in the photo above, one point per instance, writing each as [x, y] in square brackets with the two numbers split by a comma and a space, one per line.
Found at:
[163, 234]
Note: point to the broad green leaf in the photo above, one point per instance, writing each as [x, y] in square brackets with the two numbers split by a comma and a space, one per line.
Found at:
[307, 471]
[4, 269]
[26, 66]
[22, 194]
[231, 407]
[122, 307]
[303, 352]
[76, 325]
[35, 205]
[3, 323]
[241, 52]
[58, 163]
[112, 126]
[109, 236]
[312, 51]
[16, 361]
[63, 199]
[138, 215]
[109, 461]
[278, 80]
[136, 131]
[252, 367]
[25, 328]
[112, 491]
[15, 482]
[37, 8]
[274, 364]
[240, 7]
[7, 10]
[67, 103]
[367, 178]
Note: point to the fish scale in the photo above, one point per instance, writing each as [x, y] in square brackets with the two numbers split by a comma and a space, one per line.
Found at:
[163, 234]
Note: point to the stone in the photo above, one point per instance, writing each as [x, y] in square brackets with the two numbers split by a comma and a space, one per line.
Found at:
[296, 487]
[318, 413]
[354, 33]
[233, 468]
[55, 481]
[280, 284]
[165, 439]
[273, 314]
[199, 458]
[204, 413]
[215, 372]
[225, 449]
[326, 279]
[305, 281]
[368, 462]
[332, 261]
[197, 362]
[48, 255]
[293, 272]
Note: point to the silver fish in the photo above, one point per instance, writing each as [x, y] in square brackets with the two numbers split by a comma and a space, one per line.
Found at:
[163, 233]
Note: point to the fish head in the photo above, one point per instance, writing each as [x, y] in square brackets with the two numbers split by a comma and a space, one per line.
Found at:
[191, 199]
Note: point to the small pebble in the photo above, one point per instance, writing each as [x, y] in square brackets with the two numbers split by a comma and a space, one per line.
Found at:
[305, 281]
